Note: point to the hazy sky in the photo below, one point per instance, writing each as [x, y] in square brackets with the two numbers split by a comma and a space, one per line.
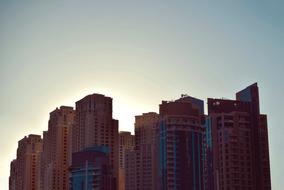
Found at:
[139, 53]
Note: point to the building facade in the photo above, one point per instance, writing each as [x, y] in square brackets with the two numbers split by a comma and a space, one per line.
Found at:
[126, 143]
[91, 170]
[13, 175]
[25, 169]
[130, 170]
[145, 130]
[56, 157]
[238, 138]
[94, 126]
[180, 145]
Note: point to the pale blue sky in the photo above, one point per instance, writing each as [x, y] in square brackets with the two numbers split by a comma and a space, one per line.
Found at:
[138, 52]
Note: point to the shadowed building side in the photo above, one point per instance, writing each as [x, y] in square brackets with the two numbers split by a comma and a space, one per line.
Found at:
[180, 145]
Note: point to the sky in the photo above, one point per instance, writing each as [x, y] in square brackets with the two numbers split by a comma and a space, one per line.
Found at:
[54, 53]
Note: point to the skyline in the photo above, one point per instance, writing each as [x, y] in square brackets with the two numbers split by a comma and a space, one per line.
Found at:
[181, 119]
[55, 53]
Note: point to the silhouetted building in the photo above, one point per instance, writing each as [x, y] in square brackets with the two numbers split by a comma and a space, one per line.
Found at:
[91, 170]
[56, 157]
[126, 143]
[94, 126]
[145, 129]
[130, 170]
[25, 169]
[180, 144]
[238, 143]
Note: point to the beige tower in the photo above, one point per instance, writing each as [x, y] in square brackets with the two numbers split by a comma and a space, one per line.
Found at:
[25, 169]
[56, 157]
[94, 126]
[126, 143]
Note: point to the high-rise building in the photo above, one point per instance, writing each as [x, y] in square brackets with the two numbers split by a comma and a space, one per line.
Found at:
[180, 144]
[56, 157]
[130, 170]
[145, 130]
[91, 170]
[25, 169]
[94, 126]
[238, 143]
[126, 143]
